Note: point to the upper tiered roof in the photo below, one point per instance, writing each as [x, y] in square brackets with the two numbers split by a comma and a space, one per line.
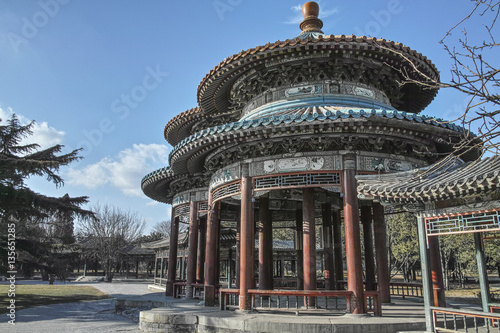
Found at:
[358, 59]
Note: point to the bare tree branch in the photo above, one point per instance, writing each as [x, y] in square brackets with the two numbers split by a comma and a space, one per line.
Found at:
[474, 72]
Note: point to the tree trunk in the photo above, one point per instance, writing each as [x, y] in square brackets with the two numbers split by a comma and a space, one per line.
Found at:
[444, 265]
[109, 272]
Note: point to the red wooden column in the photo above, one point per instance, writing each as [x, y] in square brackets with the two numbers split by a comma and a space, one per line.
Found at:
[337, 247]
[247, 241]
[326, 213]
[366, 220]
[436, 271]
[309, 237]
[172, 256]
[211, 251]
[265, 246]
[352, 236]
[299, 262]
[202, 238]
[193, 248]
[380, 232]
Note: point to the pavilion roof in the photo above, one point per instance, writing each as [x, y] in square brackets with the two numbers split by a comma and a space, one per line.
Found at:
[179, 127]
[332, 114]
[214, 88]
[165, 242]
[156, 184]
[137, 250]
[440, 181]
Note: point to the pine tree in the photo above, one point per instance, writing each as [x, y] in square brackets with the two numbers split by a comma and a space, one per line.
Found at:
[18, 203]
[18, 162]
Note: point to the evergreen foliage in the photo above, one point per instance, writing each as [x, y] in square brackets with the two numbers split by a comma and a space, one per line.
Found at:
[28, 210]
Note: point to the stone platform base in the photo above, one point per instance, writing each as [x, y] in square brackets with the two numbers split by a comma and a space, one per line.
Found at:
[211, 320]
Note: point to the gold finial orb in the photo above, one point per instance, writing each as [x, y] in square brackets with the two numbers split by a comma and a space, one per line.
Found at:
[311, 23]
[310, 10]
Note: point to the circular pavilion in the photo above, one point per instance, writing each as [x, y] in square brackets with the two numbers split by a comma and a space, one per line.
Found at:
[279, 134]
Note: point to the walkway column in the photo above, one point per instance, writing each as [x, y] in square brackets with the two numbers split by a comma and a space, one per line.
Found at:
[156, 268]
[193, 249]
[247, 241]
[238, 247]
[337, 247]
[379, 229]
[352, 236]
[172, 256]
[299, 262]
[426, 274]
[437, 271]
[229, 272]
[202, 243]
[265, 246]
[481, 270]
[326, 214]
[309, 230]
[161, 270]
[211, 251]
[366, 220]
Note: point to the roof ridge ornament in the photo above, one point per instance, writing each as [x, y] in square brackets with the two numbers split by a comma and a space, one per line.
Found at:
[311, 22]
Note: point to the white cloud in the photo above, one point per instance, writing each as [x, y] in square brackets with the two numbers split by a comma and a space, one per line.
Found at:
[123, 171]
[43, 134]
[297, 16]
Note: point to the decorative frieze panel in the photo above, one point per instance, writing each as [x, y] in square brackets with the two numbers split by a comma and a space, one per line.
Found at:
[308, 89]
[202, 195]
[180, 199]
[304, 90]
[464, 223]
[296, 164]
[198, 194]
[368, 163]
[225, 175]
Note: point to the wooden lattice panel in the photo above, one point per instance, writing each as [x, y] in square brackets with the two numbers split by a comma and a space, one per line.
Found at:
[297, 180]
[227, 190]
[203, 206]
[182, 212]
[464, 223]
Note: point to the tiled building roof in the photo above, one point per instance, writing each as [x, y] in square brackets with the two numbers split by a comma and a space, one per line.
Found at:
[437, 182]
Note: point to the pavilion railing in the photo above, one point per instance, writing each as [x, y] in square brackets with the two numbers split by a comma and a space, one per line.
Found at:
[160, 281]
[449, 320]
[403, 289]
[180, 289]
[406, 289]
[372, 302]
[329, 300]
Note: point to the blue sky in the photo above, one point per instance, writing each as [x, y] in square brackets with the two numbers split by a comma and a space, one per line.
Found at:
[108, 75]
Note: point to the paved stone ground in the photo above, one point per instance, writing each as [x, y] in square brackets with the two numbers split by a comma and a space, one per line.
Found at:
[80, 317]
[100, 316]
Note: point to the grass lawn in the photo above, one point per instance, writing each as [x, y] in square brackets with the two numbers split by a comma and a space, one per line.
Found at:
[470, 294]
[28, 296]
